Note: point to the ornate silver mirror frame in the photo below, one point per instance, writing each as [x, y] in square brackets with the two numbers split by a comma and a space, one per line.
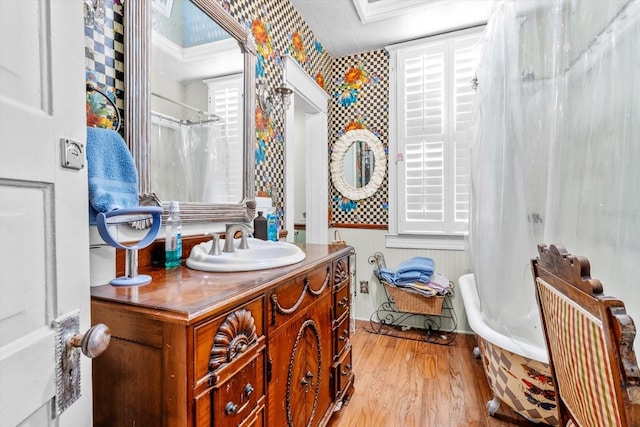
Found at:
[137, 63]
[338, 154]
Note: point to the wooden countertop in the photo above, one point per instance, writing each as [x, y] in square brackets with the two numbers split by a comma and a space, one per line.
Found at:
[188, 295]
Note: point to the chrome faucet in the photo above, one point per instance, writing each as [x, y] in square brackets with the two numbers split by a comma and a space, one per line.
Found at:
[230, 232]
[215, 244]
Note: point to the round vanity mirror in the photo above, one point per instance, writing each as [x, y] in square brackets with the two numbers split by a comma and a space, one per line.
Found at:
[358, 164]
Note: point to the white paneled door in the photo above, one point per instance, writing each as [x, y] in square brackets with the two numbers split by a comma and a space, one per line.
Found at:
[44, 252]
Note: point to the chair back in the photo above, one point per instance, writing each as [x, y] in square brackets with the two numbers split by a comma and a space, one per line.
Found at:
[589, 337]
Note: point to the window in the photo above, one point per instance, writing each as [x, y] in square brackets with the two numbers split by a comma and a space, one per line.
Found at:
[431, 102]
[225, 100]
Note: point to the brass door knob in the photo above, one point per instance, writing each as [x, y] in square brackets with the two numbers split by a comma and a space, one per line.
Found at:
[94, 342]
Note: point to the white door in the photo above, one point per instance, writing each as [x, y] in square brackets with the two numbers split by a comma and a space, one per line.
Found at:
[44, 244]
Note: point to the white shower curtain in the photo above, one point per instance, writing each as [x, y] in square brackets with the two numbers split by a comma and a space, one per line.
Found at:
[189, 162]
[556, 155]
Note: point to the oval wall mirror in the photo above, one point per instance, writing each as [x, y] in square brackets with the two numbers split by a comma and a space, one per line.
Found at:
[358, 164]
[190, 107]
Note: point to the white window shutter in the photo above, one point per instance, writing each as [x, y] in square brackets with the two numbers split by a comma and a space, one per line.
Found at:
[225, 100]
[434, 106]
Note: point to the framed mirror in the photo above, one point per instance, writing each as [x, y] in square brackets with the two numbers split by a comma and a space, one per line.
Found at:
[190, 101]
[358, 164]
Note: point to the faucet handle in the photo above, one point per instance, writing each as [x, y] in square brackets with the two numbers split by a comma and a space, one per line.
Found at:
[215, 244]
[231, 230]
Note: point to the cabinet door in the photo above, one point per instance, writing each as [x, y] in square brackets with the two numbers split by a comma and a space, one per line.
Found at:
[299, 390]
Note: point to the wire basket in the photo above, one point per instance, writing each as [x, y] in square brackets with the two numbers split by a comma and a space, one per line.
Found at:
[414, 302]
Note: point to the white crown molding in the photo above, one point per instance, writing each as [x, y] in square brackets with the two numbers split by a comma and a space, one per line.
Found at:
[385, 9]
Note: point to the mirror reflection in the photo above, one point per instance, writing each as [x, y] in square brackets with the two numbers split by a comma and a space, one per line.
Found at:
[359, 164]
[196, 107]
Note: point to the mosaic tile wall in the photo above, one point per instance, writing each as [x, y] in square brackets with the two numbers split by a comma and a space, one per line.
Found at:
[104, 59]
[358, 86]
[360, 100]
[279, 30]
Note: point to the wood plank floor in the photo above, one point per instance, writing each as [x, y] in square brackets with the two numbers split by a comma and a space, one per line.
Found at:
[405, 383]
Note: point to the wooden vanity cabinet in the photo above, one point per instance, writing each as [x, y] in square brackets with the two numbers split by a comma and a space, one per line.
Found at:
[300, 350]
[258, 349]
[342, 376]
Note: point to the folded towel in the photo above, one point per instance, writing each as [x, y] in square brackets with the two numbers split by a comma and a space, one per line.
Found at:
[417, 269]
[421, 264]
[440, 284]
[113, 179]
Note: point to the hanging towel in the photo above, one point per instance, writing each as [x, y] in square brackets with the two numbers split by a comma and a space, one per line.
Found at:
[113, 179]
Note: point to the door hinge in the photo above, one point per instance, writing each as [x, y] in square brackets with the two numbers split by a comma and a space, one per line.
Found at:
[269, 369]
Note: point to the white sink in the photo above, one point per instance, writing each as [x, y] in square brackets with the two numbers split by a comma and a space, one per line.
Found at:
[262, 254]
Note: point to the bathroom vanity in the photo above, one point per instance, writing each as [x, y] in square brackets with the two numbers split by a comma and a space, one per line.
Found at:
[194, 348]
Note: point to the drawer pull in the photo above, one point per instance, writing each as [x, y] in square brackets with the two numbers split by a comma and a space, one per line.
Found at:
[231, 409]
[344, 373]
[305, 380]
[341, 338]
[343, 302]
[248, 389]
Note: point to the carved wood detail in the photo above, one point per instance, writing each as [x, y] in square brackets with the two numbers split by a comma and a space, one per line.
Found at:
[308, 324]
[572, 269]
[305, 288]
[234, 336]
[342, 271]
[324, 284]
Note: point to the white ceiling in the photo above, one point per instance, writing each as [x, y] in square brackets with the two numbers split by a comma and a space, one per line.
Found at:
[345, 27]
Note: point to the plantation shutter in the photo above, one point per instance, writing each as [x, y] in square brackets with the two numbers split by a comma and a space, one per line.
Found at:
[225, 100]
[434, 117]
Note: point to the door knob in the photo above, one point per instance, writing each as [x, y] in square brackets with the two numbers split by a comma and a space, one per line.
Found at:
[94, 342]
[69, 341]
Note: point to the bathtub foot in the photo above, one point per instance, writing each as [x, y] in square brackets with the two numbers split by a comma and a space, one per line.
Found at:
[476, 352]
[492, 406]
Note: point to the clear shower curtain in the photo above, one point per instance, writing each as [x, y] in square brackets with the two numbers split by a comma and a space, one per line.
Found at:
[200, 161]
[188, 163]
[556, 154]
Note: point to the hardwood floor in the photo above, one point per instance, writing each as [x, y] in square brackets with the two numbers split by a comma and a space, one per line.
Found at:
[406, 383]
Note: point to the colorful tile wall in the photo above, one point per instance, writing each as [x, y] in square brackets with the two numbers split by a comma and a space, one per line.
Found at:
[358, 86]
[279, 31]
[360, 100]
[104, 59]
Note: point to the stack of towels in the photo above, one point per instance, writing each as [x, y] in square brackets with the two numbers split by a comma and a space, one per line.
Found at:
[417, 274]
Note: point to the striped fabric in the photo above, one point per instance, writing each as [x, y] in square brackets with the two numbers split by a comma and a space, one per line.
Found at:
[584, 378]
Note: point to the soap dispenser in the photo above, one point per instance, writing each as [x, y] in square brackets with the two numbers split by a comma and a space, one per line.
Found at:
[260, 227]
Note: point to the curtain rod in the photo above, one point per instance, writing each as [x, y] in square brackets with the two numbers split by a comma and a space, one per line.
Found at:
[212, 116]
[182, 122]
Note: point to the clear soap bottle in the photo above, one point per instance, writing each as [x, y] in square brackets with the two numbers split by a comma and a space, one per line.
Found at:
[173, 237]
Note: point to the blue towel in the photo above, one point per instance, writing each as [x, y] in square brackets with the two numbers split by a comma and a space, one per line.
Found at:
[418, 269]
[113, 179]
[421, 264]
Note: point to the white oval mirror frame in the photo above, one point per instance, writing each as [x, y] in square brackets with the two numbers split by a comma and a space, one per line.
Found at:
[338, 154]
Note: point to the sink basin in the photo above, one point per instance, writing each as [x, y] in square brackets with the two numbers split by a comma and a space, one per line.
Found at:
[262, 254]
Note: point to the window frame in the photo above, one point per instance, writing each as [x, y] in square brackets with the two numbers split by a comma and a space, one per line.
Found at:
[451, 240]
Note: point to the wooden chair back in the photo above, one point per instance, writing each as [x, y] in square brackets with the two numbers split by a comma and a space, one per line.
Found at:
[589, 337]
